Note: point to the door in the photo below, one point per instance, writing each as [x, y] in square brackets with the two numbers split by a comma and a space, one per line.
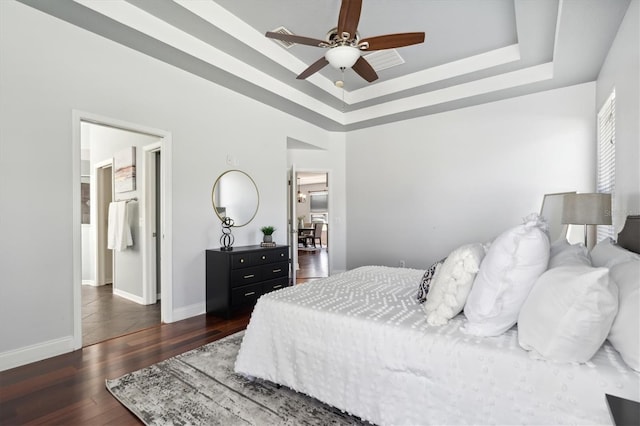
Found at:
[151, 252]
[156, 233]
[293, 225]
[104, 195]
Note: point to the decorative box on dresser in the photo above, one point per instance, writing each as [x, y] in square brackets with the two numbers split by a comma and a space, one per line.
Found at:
[237, 278]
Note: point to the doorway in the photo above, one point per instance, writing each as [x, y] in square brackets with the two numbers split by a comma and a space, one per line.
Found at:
[312, 218]
[104, 309]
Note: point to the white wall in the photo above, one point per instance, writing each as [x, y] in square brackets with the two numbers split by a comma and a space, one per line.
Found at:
[417, 189]
[48, 69]
[621, 70]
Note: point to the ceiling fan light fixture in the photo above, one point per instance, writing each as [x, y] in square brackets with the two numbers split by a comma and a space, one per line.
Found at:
[342, 56]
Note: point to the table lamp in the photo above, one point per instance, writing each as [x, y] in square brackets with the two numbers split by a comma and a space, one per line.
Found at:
[587, 209]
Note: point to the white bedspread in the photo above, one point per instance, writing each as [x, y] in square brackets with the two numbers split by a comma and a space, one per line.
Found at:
[359, 342]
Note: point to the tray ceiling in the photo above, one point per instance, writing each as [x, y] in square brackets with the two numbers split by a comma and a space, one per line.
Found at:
[474, 51]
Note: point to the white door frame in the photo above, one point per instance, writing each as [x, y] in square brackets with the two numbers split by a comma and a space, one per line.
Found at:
[293, 224]
[77, 117]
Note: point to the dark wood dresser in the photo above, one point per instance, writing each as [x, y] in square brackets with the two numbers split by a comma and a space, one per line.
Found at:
[237, 278]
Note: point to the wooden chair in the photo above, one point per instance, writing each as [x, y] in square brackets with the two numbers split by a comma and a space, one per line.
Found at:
[317, 233]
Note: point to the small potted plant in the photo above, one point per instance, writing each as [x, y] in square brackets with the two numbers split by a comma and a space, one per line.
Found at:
[267, 231]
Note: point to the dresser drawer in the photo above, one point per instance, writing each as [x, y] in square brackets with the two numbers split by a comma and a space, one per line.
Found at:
[278, 255]
[275, 270]
[270, 256]
[244, 260]
[246, 276]
[276, 284]
[246, 294]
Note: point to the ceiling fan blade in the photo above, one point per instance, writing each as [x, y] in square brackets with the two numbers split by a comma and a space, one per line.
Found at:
[349, 17]
[391, 41]
[313, 68]
[297, 39]
[365, 70]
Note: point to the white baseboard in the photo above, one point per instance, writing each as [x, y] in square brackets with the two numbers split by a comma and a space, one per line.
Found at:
[139, 300]
[188, 311]
[89, 282]
[33, 353]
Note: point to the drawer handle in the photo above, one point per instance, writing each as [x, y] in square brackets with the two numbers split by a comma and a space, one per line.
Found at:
[241, 260]
[249, 276]
[264, 257]
[277, 286]
[281, 254]
[249, 294]
[277, 270]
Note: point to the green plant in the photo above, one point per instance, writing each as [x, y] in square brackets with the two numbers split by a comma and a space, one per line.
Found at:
[268, 230]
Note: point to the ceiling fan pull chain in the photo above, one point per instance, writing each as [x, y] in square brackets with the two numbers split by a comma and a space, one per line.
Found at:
[343, 104]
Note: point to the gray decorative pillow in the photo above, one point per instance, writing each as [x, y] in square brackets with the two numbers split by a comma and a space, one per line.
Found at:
[425, 282]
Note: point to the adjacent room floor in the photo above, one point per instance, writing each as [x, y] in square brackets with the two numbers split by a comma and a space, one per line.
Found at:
[313, 264]
[105, 315]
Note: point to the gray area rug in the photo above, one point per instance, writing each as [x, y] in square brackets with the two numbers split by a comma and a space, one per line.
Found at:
[199, 387]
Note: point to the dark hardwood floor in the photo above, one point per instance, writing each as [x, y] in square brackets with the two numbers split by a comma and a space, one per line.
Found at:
[313, 264]
[105, 315]
[70, 389]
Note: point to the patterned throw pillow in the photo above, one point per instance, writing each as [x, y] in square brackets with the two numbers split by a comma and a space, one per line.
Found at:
[421, 297]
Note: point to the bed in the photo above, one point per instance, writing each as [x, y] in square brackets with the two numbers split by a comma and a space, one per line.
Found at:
[359, 341]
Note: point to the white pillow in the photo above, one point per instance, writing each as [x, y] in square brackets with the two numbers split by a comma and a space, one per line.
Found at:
[565, 254]
[450, 286]
[606, 253]
[568, 313]
[513, 263]
[625, 331]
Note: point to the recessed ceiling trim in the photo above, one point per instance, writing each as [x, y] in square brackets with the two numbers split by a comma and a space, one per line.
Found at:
[135, 18]
[224, 20]
[238, 29]
[140, 20]
[478, 87]
[431, 75]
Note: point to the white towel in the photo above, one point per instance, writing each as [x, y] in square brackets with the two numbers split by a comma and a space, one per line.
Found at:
[118, 230]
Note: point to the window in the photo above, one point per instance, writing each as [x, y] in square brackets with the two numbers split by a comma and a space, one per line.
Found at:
[606, 168]
[318, 201]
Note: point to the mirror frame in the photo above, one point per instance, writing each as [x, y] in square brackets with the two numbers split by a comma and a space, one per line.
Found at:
[213, 199]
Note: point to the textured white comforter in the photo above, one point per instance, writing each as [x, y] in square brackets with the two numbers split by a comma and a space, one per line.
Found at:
[359, 341]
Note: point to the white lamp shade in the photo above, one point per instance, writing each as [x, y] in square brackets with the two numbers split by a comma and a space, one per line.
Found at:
[342, 56]
[587, 209]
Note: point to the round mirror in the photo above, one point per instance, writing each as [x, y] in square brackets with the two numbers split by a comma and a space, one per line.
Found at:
[235, 195]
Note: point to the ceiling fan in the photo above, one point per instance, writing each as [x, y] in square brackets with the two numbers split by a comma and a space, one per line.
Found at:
[345, 46]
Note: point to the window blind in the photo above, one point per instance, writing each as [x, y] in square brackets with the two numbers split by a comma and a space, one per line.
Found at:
[606, 168]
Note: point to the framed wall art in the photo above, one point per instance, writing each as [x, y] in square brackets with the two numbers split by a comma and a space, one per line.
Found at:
[124, 163]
